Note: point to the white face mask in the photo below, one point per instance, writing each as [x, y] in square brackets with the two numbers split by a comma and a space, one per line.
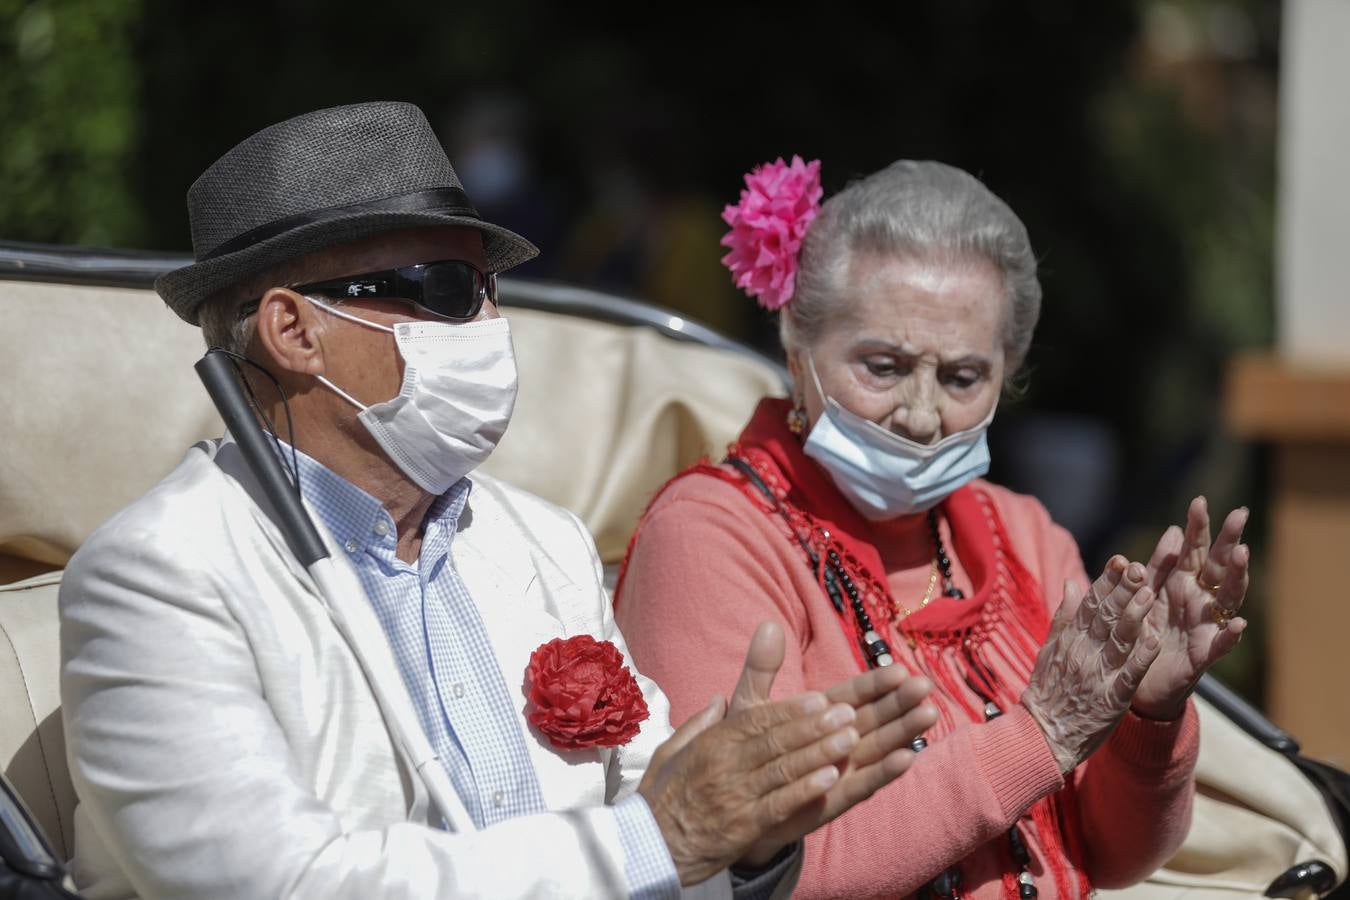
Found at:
[885, 475]
[459, 387]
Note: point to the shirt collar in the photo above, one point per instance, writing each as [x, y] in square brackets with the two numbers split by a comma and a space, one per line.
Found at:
[357, 519]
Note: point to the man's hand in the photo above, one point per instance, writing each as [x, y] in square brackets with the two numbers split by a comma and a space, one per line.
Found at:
[771, 772]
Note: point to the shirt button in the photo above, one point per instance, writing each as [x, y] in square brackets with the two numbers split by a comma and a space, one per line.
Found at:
[381, 529]
[498, 799]
[457, 690]
[351, 545]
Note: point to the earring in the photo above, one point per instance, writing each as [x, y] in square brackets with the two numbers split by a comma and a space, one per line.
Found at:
[796, 420]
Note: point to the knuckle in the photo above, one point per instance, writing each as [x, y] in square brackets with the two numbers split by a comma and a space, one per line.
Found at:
[772, 744]
[780, 771]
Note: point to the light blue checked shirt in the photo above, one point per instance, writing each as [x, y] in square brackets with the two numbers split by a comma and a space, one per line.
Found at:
[451, 672]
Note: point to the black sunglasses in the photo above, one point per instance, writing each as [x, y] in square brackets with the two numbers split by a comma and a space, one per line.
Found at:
[451, 287]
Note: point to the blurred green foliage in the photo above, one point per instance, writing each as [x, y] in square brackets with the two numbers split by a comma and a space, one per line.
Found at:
[70, 104]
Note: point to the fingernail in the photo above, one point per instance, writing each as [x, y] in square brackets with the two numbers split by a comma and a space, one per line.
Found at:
[1135, 572]
[813, 703]
[839, 716]
[826, 777]
[841, 743]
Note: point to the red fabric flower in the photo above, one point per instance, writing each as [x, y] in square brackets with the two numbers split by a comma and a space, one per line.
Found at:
[582, 694]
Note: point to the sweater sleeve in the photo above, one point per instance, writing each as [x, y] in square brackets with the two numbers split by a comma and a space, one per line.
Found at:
[696, 587]
[1135, 793]
[701, 577]
[1135, 797]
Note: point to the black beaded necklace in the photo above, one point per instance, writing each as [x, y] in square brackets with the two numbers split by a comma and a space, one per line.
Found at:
[838, 583]
[949, 588]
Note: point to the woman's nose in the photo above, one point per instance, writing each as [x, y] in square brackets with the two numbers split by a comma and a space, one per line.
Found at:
[918, 423]
[916, 414]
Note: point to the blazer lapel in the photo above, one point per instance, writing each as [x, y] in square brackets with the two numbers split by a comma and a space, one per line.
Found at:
[522, 607]
[351, 612]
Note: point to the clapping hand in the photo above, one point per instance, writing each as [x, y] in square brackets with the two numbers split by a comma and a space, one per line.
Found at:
[1200, 591]
[739, 785]
[1097, 655]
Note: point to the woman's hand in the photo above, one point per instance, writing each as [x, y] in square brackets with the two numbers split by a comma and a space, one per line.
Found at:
[1097, 656]
[1200, 591]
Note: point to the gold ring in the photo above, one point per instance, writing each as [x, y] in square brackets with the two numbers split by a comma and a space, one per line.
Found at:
[1212, 588]
[1220, 615]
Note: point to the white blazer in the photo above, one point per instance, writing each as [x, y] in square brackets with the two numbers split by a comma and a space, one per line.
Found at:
[231, 734]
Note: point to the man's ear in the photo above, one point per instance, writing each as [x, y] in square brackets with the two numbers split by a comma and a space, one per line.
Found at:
[290, 330]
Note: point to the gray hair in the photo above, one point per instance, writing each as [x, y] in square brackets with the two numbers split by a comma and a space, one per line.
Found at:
[219, 318]
[921, 209]
[219, 315]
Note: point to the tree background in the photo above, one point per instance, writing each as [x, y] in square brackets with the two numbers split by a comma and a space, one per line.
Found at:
[1135, 139]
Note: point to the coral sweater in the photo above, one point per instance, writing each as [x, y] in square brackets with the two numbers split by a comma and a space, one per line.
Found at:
[709, 566]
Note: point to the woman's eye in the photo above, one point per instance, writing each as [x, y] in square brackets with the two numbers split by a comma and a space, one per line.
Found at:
[963, 378]
[881, 368]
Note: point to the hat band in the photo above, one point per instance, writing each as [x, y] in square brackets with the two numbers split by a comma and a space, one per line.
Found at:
[450, 200]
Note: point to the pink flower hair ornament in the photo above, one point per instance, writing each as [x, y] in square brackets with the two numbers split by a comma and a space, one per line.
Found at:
[767, 227]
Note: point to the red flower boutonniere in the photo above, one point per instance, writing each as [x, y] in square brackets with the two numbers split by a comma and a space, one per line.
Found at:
[582, 694]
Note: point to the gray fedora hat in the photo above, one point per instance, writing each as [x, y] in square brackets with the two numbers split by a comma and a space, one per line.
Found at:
[320, 179]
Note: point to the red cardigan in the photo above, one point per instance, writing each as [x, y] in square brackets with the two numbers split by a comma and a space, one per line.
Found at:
[709, 565]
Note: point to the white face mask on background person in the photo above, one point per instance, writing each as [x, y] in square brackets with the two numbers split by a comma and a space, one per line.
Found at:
[885, 475]
[458, 391]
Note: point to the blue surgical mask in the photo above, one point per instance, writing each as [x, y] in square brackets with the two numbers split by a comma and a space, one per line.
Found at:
[885, 475]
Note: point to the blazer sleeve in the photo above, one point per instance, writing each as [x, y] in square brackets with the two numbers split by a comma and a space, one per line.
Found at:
[188, 781]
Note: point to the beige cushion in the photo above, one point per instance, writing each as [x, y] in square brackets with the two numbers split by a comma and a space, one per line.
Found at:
[1255, 815]
[32, 745]
[112, 403]
[606, 413]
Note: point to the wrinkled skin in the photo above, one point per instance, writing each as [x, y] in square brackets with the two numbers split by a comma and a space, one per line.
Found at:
[1182, 571]
[1141, 637]
[740, 785]
[1088, 671]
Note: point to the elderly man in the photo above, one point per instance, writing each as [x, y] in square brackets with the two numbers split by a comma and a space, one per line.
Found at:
[462, 718]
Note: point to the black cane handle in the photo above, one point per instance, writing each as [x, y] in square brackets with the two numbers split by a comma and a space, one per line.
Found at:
[218, 375]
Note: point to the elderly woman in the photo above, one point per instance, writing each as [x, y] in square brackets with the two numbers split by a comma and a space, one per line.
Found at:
[854, 514]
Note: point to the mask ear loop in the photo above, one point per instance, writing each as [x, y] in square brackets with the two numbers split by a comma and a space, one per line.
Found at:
[334, 311]
[235, 360]
[815, 379]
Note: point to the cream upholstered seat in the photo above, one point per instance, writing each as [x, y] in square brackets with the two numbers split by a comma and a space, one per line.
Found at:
[101, 401]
